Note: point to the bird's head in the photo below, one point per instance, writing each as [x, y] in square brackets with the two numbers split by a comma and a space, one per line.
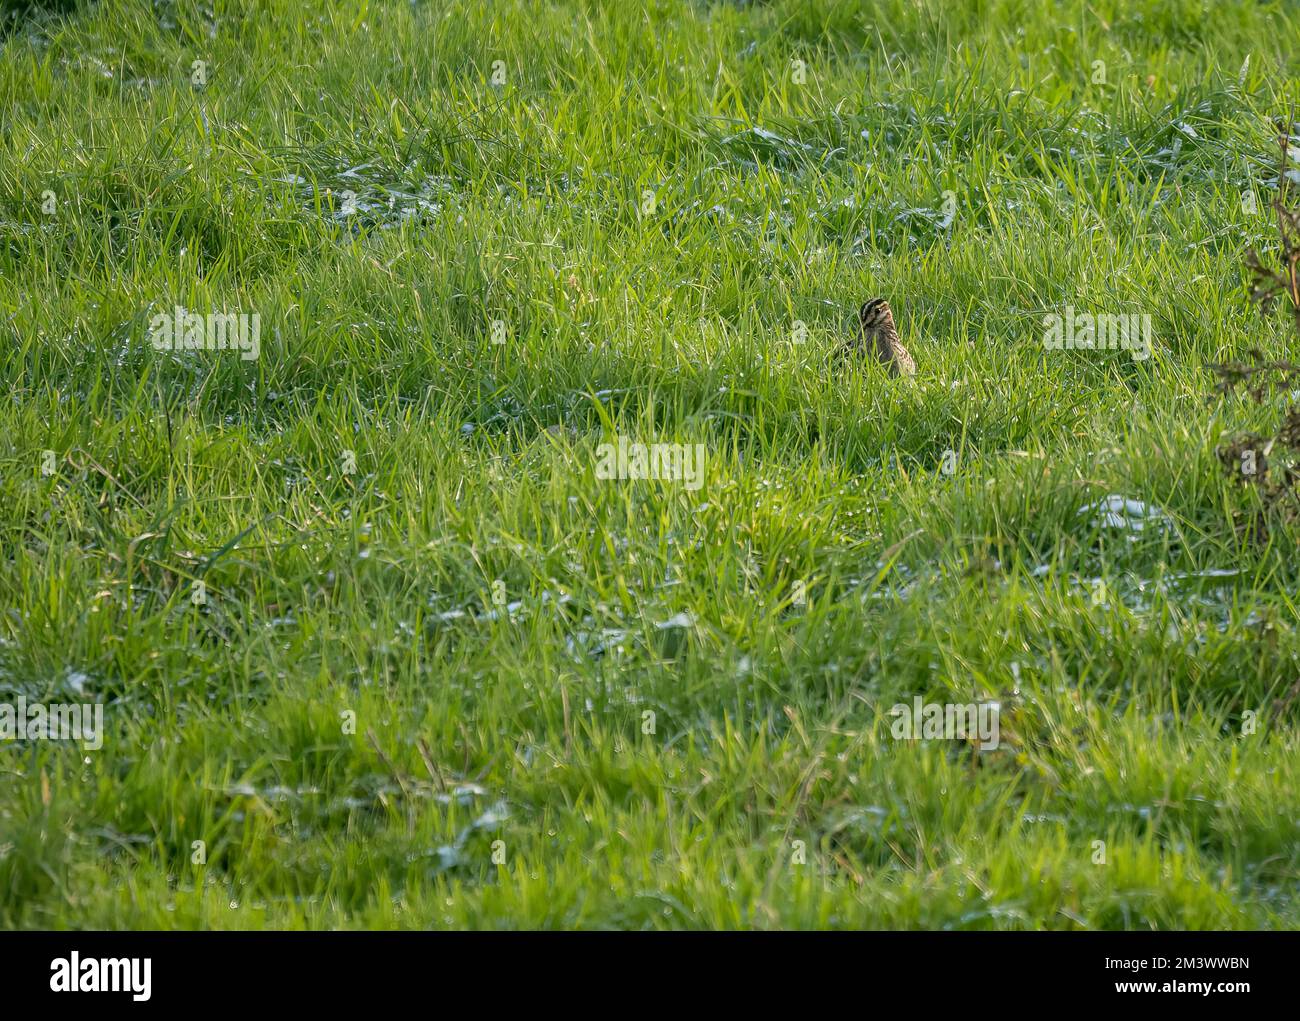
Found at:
[875, 314]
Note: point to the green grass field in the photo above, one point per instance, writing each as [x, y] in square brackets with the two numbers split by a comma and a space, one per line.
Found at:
[375, 643]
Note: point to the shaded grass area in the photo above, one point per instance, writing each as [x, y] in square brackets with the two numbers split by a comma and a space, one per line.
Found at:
[443, 675]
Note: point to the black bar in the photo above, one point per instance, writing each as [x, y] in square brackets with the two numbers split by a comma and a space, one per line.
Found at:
[362, 969]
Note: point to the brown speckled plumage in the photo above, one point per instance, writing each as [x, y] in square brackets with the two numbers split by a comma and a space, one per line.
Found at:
[878, 337]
